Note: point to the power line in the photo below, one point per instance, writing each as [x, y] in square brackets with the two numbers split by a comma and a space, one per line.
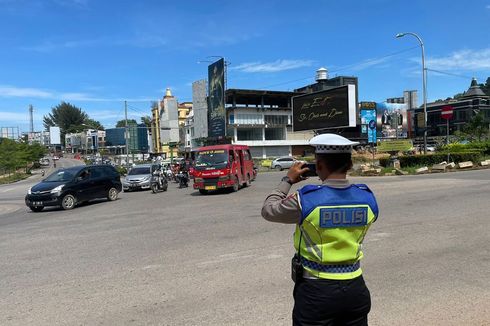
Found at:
[361, 63]
[449, 73]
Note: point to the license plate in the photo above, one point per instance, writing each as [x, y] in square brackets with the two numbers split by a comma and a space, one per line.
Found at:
[210, 188]
[37, 203]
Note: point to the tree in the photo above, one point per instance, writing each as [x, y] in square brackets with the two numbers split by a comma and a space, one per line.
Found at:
[122, 123]
[65, 116]
[476, 129]
[486, 87]
[70, 119]
[146, 120]
[94, 124]
[14, 155]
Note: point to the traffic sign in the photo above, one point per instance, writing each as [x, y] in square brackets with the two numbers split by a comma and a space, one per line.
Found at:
[447, 112]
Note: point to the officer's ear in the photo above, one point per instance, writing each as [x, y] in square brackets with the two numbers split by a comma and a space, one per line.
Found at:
[320, 165]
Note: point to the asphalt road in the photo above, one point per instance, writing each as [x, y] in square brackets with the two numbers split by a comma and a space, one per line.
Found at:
[179, 258]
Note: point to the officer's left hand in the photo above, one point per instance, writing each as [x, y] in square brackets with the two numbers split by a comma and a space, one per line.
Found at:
[295, 172]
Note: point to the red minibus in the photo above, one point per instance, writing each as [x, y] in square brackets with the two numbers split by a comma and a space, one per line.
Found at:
[222, 166]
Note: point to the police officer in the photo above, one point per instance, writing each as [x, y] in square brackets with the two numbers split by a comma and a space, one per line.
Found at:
[331, 222]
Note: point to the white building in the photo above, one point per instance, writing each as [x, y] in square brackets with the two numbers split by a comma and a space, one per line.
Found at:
[263, 121]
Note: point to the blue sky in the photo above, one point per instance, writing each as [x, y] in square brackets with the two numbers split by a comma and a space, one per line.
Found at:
[96, 54]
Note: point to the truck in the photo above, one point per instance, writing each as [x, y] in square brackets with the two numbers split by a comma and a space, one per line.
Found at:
[222, 166]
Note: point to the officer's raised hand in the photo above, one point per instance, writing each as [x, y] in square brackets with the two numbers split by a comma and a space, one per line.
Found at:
[295, 172]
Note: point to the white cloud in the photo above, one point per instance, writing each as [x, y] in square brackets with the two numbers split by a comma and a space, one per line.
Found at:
[10, 91]
[470, 60]
[144, 41]
[26, 92]
[13, 116]
[275, 66]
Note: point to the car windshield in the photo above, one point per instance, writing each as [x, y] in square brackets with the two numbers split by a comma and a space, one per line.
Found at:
[212, 158]
[59, 176]
[140, 170]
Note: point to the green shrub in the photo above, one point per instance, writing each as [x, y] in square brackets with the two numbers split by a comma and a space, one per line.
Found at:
[427, 160]
[483, 147]
[122, 170]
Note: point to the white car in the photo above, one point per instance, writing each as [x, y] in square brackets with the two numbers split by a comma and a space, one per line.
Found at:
[282, 163]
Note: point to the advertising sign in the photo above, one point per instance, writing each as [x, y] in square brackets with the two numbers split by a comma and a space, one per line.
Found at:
[395, 145]
[392, 120]
[368, 124]
[332, 108]
[54, 136]
[216, 99]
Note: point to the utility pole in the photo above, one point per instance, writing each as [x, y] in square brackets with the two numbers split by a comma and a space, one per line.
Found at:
[126, 131]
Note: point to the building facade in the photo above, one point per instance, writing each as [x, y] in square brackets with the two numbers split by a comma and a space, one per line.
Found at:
[472, 102]
[169, 125]
[263, 120]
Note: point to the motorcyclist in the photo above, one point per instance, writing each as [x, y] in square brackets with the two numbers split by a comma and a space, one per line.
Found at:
[160, 175]
[183, 176]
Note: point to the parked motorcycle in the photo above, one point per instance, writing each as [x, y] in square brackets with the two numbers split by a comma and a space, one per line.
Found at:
[158, 182]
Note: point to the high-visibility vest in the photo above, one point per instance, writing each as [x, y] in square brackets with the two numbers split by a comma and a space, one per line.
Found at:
[333, 224]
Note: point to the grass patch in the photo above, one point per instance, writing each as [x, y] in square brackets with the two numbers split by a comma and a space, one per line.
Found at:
[13, 178]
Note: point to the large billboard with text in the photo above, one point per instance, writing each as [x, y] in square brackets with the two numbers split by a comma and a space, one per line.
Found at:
[216, 99]
[332, 108]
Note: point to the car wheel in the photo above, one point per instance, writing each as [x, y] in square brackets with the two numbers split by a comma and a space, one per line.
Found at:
[112, 194]
[68, 202]
[248, 182]
[36, 208]
[278, 168]
[203, 192]
[236, 185]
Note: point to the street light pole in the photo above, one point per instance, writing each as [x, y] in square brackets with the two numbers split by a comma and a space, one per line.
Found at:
[126, 131]
[424, 82]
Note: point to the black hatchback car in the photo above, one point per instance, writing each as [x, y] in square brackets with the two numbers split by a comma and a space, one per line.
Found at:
[71, 186]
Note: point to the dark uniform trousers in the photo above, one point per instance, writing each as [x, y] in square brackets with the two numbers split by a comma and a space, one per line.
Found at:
[321, 302]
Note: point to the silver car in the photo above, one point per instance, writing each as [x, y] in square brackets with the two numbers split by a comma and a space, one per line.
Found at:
[282, 163]
[139, 177]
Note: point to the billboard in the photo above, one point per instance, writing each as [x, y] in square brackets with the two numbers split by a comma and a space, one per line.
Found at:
[368, 124]
[216, 99]
[332, 108]
[200, 108]
[54, 136]
[392, 120]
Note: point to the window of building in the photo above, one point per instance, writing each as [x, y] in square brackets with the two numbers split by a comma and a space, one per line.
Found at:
[275, 134]
[276, 120]
[249, 119]
[249, 134]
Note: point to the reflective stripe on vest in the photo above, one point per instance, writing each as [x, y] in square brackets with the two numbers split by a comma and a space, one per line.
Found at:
[334, 223]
